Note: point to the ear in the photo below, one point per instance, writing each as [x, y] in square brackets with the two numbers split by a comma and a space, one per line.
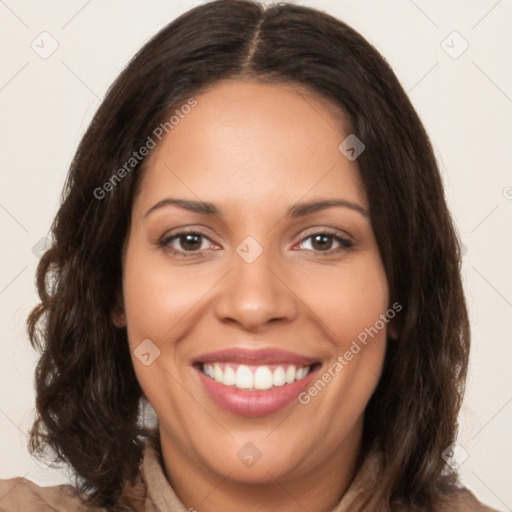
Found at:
[117, 314]
[392, 331]
[118, 319]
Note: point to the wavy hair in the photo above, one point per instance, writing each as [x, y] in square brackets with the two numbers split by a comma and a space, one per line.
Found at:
[87, 394]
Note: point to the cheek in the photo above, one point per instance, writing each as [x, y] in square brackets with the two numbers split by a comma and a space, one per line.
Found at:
[157, 298]
[350, 302]
[348, 299]
[157, 302]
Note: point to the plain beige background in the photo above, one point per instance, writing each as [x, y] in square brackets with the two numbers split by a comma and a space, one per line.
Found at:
[460, 84]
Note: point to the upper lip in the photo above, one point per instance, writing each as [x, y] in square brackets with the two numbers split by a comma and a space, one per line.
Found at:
[255, 357]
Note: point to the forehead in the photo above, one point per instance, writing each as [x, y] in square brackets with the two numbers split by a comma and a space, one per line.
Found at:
[254, 141]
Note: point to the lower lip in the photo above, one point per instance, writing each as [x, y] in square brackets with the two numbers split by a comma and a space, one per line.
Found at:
[255, 403]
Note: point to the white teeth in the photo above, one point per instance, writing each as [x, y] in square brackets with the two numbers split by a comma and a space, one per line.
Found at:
[244, 377]
[290, 374]
[217, 372]
[301, 373]
[279, 377]
[229, 378]
[262, 379]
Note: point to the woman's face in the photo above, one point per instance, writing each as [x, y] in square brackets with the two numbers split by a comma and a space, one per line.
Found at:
[279, 301]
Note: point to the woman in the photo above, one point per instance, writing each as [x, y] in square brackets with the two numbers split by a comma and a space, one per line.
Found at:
[253, 240]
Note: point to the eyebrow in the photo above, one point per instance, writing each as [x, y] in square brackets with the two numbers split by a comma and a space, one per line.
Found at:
[295, 211]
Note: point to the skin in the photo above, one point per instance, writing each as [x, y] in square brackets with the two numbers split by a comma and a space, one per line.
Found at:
[254, 150]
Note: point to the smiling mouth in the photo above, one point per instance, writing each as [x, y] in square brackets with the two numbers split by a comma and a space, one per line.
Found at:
[254, 383]
[255, 378]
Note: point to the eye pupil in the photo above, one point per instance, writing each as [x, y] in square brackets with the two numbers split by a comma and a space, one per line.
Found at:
[322, 239]
[191, 239]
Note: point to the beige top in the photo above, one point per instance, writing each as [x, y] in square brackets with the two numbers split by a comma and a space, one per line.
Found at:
[151, 492]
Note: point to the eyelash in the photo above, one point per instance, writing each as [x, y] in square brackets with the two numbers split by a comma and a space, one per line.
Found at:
[346, 244]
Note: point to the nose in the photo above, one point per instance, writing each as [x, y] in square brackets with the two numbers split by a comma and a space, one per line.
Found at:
[255, 294]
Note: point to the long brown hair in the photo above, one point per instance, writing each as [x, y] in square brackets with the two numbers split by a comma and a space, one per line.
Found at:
[87, 395]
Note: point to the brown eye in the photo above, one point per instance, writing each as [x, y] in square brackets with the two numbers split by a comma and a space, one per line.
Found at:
[190, 241]
[185, 243]
[323, 242]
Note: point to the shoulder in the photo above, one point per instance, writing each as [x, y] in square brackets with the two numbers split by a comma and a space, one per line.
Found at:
[18, 494]
[462, 500]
